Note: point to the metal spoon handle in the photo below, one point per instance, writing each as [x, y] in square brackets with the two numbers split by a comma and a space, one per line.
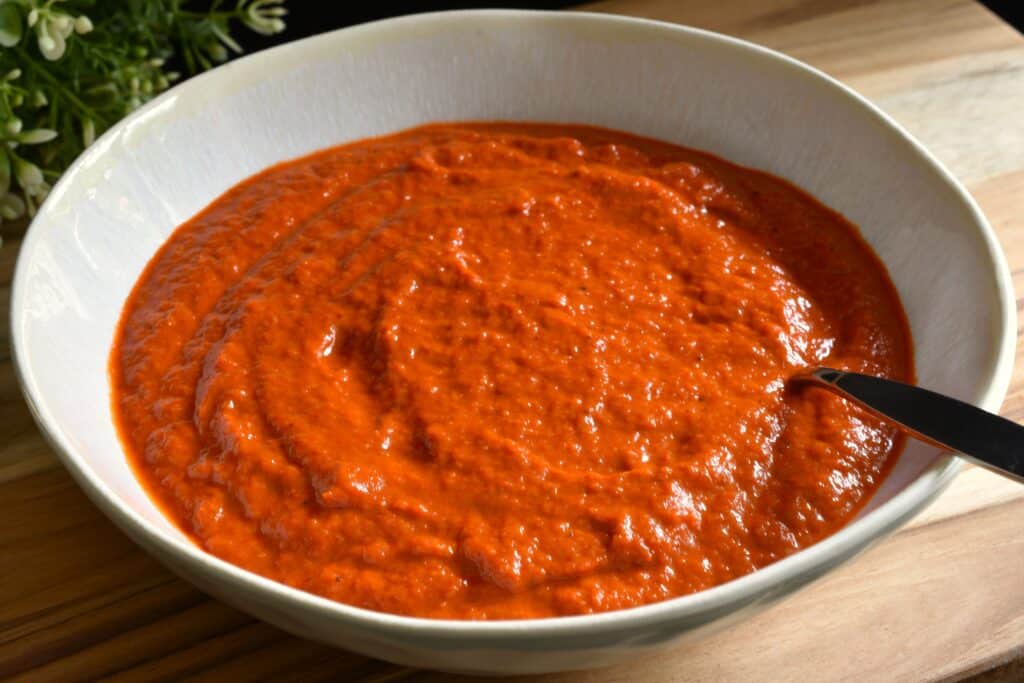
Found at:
[982, 437]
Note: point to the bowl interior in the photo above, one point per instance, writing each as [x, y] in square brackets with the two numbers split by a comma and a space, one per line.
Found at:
[153, 171]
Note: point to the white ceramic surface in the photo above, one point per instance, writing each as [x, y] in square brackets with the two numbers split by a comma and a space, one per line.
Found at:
[157, 168]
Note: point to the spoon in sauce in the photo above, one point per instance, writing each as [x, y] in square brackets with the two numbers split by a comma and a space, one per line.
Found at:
[979, 436]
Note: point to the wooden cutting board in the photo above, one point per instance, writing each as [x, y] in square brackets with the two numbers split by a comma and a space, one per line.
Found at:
[941, 600]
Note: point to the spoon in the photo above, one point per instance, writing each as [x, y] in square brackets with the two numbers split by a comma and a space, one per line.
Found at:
[981, 437]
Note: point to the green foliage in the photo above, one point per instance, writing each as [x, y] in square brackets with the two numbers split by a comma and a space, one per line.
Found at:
[69, 69]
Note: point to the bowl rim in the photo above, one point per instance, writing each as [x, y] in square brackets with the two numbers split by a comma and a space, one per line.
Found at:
[811, 561]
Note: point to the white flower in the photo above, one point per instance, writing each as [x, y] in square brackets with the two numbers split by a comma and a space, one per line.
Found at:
[49, 47]
[51, 44]
[264, 16]
[83, 24]
[63, 24]
[52, 30]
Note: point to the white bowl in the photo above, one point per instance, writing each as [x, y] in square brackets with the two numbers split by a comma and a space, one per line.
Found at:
[154, 170]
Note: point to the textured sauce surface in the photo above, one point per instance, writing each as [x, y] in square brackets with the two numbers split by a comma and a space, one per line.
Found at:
[487, 371]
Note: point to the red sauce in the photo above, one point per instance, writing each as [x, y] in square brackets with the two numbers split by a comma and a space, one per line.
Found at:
[486, 371]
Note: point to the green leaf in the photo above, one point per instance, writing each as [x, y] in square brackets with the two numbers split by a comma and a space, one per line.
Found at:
[90, 87]
[12, 25]
[5, 172]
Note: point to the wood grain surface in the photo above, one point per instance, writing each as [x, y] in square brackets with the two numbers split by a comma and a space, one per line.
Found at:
[941, 600]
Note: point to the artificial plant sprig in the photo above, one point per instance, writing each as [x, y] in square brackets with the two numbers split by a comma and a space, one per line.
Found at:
[69, 69]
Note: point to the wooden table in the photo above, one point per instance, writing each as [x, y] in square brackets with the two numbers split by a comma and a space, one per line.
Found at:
[941, 600]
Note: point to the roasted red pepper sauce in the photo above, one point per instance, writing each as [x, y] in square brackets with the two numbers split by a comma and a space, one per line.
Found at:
[486, 371]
